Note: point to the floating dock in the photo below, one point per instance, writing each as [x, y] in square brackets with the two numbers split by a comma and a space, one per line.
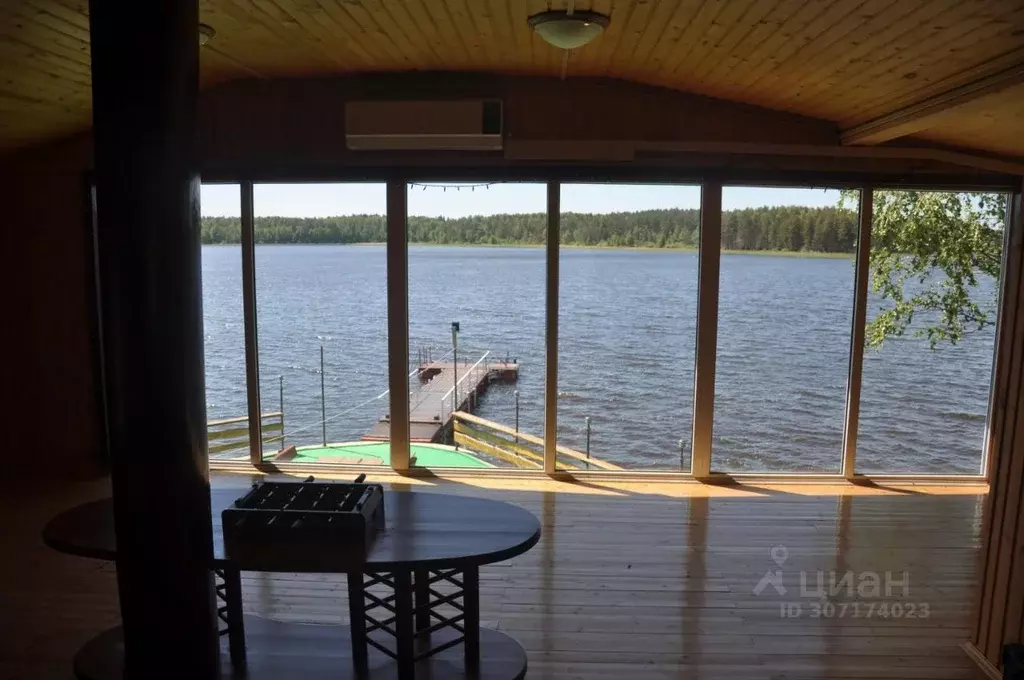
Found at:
[433, 400]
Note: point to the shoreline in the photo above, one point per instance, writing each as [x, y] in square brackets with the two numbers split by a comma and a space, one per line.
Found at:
[806, 254]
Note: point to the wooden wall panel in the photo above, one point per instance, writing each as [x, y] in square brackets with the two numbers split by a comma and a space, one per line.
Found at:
[1000, 611]
[289, 129]
[49, 408]
[989, 123]
[303, 120]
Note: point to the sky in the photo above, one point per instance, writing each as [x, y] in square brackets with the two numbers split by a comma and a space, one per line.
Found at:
[325, 200]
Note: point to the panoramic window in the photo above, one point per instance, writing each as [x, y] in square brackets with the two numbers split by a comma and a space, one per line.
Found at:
[322, 321]
[785, 311]
[936, 260]
[223, 325]
[627, 324]
[476, 324]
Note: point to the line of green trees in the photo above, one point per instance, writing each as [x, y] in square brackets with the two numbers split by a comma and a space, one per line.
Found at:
[789, 228]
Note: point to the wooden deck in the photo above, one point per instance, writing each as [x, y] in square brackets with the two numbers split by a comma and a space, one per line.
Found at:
[630, 580]
[431, 400]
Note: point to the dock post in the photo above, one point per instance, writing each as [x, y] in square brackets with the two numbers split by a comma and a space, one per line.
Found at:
[280, 404]
[517, 416]
[455, 367]
[323, 400]
[681, 445]
[588, 436]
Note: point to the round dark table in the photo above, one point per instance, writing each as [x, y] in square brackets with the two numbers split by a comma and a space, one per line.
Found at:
[428, 539]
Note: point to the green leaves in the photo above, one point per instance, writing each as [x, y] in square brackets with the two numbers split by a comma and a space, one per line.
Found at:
[927, 252]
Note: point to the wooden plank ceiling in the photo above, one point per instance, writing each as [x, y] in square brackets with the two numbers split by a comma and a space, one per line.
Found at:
[848, 61]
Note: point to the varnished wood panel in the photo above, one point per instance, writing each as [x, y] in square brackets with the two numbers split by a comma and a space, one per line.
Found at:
[989, 123]
[842, 60]
[652, 580]
[273, 123]
[50, 408]
[1000, 611]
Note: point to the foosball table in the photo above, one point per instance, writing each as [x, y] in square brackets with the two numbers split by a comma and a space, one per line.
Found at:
[311, 526]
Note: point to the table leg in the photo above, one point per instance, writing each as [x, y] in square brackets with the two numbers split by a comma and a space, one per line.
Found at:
[471, 622]
[405, 633]
[422, 585]
[357, 621]
[236, 625]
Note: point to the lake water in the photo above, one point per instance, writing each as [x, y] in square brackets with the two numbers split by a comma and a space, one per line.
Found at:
[626, 346]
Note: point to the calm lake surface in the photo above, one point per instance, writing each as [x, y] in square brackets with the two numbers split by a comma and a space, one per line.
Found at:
[627, 327]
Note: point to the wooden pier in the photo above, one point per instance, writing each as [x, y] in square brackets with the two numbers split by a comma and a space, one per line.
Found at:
[433, 400]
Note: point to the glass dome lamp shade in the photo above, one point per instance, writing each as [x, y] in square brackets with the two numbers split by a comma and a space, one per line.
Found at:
[205, 33]
[568, 31]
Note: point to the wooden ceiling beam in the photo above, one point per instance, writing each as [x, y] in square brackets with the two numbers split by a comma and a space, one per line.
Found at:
[919, 116]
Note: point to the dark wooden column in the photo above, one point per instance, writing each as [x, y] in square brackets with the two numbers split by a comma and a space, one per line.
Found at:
[145, 81]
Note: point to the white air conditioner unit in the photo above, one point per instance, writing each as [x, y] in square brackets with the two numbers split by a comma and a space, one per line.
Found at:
[463, 125]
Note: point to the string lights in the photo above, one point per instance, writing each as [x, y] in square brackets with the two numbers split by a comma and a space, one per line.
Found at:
[456, 187]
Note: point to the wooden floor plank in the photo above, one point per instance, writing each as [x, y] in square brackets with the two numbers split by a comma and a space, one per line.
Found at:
[637, 581]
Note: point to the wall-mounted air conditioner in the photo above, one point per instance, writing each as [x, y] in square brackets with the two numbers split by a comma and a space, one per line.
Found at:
[463, 125]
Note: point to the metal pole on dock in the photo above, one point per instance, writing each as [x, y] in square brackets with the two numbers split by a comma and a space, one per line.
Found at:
[681, 445]
[323, 400]
[280, 404]
[588, 436]
[455, 366]
[517, 416]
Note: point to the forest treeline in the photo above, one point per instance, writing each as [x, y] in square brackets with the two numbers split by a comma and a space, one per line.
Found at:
[792, 228]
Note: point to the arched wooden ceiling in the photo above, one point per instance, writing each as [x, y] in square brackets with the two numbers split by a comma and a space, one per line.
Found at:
[951, 71]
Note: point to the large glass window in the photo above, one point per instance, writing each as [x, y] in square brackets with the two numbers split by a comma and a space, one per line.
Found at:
[627, 316]
[476, 259]
[223, 326]
[785, 311]
[321, 304]
[627, 323]
[935, 266]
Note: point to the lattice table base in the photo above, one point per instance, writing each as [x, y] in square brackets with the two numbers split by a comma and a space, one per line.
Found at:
[411, 616]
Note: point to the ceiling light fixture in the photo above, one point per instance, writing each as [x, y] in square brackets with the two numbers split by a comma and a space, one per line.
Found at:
[568, 30]
[205, 33]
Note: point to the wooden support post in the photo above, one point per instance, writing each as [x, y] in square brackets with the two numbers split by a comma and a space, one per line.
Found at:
[145, 83]
[860, 315]
[707, 327]
[252, 352]
[398, 324]
[551, 331]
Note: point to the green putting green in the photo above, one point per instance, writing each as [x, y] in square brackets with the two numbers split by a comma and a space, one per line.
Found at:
[379, 453]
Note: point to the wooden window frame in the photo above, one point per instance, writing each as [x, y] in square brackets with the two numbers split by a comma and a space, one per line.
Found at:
[709, 258]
